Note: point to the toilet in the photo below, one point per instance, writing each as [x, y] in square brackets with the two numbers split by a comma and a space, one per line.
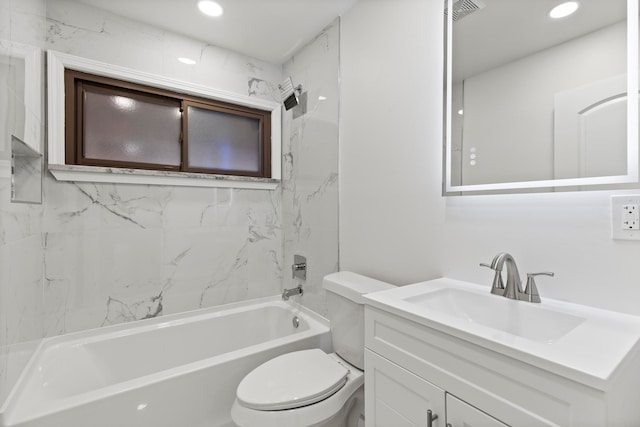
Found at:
[310, 387]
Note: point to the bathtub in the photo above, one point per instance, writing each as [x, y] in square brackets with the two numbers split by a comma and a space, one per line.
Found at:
[174, 371]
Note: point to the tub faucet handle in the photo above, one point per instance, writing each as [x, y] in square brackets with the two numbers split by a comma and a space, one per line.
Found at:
[299, 267]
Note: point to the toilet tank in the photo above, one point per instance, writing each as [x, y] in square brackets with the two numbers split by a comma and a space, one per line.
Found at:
[346, 312]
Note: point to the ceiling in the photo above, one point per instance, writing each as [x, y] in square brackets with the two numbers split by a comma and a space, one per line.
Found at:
[271, 30]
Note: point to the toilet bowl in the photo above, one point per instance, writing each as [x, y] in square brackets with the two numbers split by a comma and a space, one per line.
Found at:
[303, 388]
[310, 387]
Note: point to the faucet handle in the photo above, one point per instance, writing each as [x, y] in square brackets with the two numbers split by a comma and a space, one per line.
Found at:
[531, 291]
[497, 287]
[299, 267]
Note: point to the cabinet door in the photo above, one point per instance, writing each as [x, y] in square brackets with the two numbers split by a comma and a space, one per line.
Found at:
[461, 414]
[394, 397]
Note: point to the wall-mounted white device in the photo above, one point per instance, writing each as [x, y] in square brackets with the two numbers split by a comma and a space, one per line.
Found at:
[625, 217]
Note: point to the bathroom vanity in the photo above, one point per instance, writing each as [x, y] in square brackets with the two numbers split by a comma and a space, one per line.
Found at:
[449, 353]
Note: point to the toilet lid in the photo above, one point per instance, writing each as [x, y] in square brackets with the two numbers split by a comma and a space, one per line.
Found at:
[291, 381]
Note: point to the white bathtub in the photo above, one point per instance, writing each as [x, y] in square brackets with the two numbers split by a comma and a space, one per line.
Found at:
[174, 371]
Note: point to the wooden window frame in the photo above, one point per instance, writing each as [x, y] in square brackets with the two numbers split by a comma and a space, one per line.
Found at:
[74, 82]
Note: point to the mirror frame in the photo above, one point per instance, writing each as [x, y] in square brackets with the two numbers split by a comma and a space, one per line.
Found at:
[633, 158]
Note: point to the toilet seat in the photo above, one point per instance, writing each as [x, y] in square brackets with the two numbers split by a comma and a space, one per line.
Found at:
[333, 407]
[292, 380]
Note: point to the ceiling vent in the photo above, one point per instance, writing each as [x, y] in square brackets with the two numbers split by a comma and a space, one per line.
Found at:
[462, 8]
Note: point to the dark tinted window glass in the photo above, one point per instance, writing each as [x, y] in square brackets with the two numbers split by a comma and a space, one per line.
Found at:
[122, 128]
[223, 141]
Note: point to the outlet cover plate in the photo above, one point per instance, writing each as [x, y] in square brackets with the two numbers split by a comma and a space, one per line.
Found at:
[618, 230]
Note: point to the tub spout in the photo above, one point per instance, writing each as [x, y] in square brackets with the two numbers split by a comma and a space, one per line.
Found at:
[294, 291]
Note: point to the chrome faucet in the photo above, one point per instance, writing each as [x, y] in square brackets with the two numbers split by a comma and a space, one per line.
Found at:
[513, 287]
[293, 291]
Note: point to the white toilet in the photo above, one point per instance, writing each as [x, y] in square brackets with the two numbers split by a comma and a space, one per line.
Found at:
[310, 387]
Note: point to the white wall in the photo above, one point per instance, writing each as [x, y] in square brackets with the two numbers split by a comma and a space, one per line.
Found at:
[391, 212]
[396, 226]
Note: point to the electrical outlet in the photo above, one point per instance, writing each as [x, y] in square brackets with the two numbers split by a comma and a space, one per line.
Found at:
[630, 217]
[625, 217]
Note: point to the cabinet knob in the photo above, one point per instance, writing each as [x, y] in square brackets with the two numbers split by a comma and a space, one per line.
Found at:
[431, 417]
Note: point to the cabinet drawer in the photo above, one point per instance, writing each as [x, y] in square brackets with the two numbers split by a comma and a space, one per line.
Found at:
[461, 414]
[514, 392]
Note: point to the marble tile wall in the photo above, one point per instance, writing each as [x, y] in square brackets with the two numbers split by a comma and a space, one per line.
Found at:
[310, 175]
[118, 253]
[21, 311]
[82, 30]
[99, 254]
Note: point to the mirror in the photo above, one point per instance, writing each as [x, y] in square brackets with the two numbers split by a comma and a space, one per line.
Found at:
[534, 103]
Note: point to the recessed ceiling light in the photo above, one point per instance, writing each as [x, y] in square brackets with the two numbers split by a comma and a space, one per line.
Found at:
[187, 61]
[210, 8]
[564, 9]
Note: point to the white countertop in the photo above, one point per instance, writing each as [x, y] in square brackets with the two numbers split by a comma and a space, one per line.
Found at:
[585, 344]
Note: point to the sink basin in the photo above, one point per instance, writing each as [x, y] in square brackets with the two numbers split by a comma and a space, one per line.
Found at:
[513, 317]
[585, 344]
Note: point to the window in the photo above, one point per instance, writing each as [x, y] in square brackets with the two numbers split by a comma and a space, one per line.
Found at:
[114, 123]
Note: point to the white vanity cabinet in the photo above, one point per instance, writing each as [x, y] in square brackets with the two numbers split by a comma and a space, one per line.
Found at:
[398, 397]
[461, 414]
[411, 368]
[402, 399]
